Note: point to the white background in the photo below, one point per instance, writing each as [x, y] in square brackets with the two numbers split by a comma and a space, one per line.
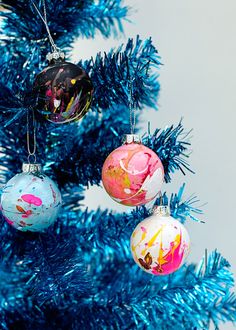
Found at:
[197, 44]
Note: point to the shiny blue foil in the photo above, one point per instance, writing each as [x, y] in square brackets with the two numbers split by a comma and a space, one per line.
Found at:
[80, 274]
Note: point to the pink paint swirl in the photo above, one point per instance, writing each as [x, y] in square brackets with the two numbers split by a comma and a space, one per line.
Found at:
[170, 262]
[31, 199]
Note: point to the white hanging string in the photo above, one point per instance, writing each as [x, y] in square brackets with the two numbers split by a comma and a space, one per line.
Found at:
[44, 19]
[161, 198]
[31, 153]
[132, 109]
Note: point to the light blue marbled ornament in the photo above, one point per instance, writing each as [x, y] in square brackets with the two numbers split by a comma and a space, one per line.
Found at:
[30, 201]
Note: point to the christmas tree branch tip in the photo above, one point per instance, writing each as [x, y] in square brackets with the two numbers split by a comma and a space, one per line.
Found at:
[67, 19]
[172, 146]
[182, 209]
[112, 73]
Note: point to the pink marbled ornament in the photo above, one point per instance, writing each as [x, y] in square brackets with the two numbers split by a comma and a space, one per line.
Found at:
[132, 174]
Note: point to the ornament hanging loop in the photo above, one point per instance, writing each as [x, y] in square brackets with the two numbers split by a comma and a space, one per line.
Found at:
[132, 110]
[31, 153]
[56, 53]
[32, 156]
[161, 198]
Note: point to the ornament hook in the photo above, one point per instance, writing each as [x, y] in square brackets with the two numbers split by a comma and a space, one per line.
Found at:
[132, 109]
[31, 153]
[56, 53]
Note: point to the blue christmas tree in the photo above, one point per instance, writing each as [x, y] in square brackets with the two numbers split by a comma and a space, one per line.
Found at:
[79, 274]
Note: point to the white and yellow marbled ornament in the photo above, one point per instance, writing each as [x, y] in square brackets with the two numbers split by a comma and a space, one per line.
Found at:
[160, 244]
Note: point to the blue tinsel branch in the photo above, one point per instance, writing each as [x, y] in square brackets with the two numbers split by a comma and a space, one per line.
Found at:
[67, 19]
[185, 299]
[137, 302]
[172, 146]
[112, 74]
[45, 268]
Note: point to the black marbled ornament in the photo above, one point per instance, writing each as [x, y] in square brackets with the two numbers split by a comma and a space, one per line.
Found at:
[64, 91]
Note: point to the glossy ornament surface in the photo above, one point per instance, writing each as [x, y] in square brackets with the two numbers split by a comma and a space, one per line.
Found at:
[132, 174]
[30, 200]
[64, 91]
[160, 244]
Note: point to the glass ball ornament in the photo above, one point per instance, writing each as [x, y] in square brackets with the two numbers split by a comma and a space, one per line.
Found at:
[30, 201]
[160, 244]
[64, 90]
[132, 174]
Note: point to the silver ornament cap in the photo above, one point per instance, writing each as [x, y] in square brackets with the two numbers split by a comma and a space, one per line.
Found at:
[162, 210]
[31, 168]
[56, 55]
[131, 138]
